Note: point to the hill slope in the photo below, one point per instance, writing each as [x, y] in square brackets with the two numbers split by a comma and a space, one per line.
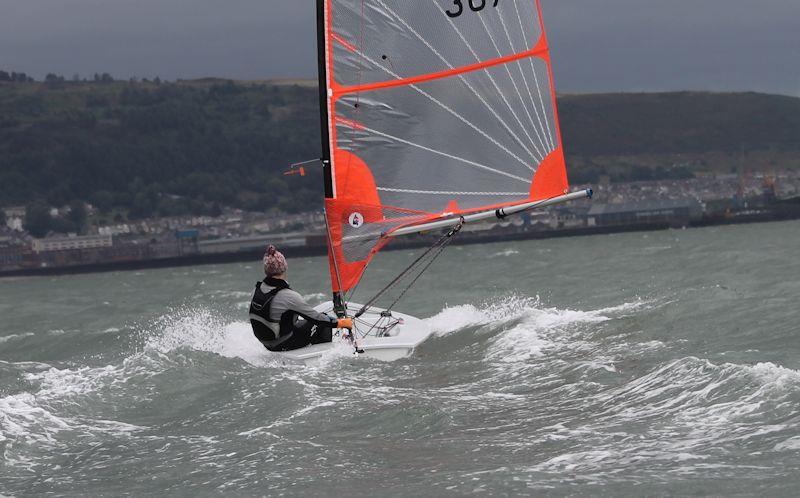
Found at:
[637, 136]
[173, 148]
[127, 144]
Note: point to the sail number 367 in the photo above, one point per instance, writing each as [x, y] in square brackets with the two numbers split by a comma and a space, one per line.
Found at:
[474, 5]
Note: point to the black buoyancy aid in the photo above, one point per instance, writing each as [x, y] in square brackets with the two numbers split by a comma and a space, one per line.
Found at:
[260, 308]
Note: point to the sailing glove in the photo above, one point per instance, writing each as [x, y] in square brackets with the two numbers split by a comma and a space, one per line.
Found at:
[345, 323]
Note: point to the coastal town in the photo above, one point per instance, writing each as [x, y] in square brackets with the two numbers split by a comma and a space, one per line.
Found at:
[236, 235]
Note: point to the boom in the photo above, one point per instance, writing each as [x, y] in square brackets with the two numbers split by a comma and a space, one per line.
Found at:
[485, 215]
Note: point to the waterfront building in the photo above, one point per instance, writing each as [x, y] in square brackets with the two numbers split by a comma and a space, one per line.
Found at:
[52, 244]
[677, 212]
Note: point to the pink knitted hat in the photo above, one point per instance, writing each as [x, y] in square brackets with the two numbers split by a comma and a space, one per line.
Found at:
[274, 262]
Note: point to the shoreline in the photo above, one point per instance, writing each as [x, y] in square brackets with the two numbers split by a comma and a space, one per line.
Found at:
[415, 243]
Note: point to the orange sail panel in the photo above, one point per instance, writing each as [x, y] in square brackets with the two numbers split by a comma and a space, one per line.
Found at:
[434, 108]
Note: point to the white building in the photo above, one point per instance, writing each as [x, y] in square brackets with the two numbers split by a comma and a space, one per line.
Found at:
[71, 243]
[114, 230]
[15, 217]
[14, 223]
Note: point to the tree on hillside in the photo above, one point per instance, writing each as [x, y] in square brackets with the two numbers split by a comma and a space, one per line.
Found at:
[54, 80]
[103, 200]
[78, 215]
[37, 219]
[21, 78]
[103, 78]
[3, 219]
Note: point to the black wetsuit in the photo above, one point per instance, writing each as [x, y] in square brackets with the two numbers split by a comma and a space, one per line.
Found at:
[283, 321]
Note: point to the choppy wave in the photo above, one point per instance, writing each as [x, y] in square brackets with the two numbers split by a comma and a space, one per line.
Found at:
[506, 253]
[686, 412]
[583, 395]
[200, 329]
[32, 421]
[13, 337]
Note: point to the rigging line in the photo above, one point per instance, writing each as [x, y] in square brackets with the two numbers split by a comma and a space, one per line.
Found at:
[516, 88]
[383, 325]
[533, 69]
[466, 83]
[439, 244]
[497, 88]
[391, 284]
[445, 192]
[424, 269]
[445, 154]
[525, 81]
[351, 294]
[445, 241]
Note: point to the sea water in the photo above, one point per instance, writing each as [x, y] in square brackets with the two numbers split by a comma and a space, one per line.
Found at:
[646, 363]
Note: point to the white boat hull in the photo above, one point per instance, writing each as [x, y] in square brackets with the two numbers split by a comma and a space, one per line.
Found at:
[393, 344]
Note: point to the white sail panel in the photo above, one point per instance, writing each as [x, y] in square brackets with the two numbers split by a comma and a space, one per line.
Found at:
[435, 108]
[378, 40]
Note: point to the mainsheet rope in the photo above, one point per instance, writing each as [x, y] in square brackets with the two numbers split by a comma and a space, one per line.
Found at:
[425, 260]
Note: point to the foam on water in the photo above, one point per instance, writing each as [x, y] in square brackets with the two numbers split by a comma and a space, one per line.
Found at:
[559, 386]
[506, 253]
[527, 328]
[515, 307]
[315, 298]
[455, 318]
[36, 417]
[200, 329]
[13, 337]
[792, 444]
[540, 329]
[688, 409]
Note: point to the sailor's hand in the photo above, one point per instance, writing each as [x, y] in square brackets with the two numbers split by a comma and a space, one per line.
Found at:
[345, 323]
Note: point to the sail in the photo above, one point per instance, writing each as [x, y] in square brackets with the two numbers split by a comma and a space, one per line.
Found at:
[431, 109]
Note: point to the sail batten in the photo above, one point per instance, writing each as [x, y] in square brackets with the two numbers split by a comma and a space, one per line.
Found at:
[432, 111]
[441, 74]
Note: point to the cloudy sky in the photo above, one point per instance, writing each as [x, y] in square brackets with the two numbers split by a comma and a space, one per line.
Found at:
[598, 45]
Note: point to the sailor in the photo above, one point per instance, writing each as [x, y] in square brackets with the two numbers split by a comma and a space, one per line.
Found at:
[282, 320]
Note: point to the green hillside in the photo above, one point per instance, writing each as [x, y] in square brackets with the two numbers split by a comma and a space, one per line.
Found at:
[158, 148]
[147, 148]
[641, 136]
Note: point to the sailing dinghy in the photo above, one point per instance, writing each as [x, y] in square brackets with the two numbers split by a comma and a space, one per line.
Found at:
[435, 114]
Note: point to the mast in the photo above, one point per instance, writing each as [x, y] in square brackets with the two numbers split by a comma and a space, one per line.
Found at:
[327, 170]
[323, 98]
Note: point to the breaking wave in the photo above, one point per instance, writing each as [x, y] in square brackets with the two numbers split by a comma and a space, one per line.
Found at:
[585, 381]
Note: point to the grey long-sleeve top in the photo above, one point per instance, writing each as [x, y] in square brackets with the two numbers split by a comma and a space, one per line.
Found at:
[291, 300]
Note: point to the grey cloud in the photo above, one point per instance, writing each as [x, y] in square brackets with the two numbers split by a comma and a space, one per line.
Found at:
[598, 45]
